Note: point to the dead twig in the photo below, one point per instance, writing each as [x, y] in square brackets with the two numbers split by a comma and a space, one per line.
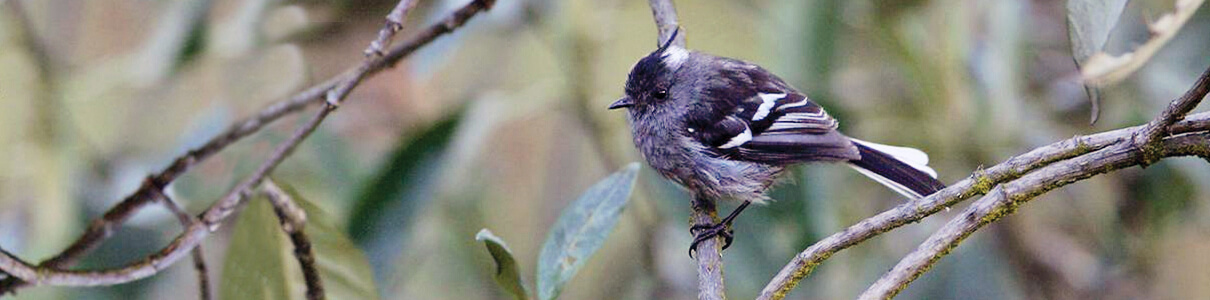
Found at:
[199, 260]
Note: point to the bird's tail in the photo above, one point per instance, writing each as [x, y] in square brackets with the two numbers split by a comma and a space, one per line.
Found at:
[902, 169]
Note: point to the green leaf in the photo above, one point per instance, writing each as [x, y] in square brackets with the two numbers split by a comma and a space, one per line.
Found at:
[582, 229]
[260, 262]
[387, 201]
[507, 273]
[256, 266]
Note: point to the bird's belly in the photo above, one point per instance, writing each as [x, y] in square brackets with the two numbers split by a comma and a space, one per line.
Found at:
[705, 175]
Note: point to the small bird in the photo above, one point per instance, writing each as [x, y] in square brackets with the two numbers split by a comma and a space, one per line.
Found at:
[726, 129]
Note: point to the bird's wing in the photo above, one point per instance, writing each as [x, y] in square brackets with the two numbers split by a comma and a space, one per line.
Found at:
[755, 116]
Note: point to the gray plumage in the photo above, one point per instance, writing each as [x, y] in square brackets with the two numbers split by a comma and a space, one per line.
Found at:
[662, 135]
[726, 129]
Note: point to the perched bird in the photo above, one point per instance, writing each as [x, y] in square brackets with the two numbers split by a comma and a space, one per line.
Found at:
[726, 129]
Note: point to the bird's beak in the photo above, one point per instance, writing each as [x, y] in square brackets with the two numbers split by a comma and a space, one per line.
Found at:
[622, 103]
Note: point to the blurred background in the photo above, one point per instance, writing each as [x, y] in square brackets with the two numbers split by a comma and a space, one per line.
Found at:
[503, 123]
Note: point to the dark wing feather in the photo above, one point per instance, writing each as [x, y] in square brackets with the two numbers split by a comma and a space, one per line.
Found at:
[755, 116]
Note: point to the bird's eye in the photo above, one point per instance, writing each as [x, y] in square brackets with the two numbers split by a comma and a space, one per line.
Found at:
[660, 94]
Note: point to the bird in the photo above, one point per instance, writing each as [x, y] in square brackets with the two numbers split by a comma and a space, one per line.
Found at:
[726, 129]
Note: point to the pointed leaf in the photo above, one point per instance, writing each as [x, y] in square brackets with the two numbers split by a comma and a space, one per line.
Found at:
[1089, 23]
[582, 229]
[507, 273]
[256, 263]
[260, 262]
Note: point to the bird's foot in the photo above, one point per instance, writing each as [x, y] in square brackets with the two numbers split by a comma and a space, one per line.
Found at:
[702, 233]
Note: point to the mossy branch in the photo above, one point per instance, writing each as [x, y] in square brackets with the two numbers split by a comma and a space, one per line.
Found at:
[1010, 184]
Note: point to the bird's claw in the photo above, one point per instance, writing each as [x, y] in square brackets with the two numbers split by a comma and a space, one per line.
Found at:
[702, 233]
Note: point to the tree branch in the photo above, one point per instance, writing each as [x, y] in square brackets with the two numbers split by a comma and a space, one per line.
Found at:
[1148, 144]
[51, 272]
[664, 14]
[709, 254]
[1004, 200]
[393, 25]
[983, 181]
[293, 220]
[976, 184]
[199, 260]
[1149, 137]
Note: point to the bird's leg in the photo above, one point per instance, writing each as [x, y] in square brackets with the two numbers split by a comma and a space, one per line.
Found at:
[702, 232]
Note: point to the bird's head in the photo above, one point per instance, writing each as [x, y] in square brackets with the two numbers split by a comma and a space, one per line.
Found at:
[650, 82]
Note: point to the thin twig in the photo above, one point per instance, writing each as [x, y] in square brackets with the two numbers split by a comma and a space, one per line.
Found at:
[664, 14]
[293, 221]
[219, 211]
[148, 266]
[193, 235]
[199, 260]
[52, 273]
[982, 181]
[393, 25]
[101, 229]
[203, 275]
[709, 253]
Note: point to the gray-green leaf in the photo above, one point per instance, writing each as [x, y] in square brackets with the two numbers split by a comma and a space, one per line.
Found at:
[1102, 68]
[507, 273]
[1089, 23]
[582, 229]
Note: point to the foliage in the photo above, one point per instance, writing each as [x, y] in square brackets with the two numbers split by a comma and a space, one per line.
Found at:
[130, 86]
[507, 275]
[260, 262]
[581, 229]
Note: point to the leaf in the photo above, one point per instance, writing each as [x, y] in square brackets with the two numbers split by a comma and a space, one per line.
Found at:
[256, 263]
[260, 262]
[507, 273]
[1101, 68]
[1089, 23]
[582, 229]
[389, 198]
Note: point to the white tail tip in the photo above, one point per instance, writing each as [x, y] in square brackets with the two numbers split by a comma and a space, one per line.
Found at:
[911, 156]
